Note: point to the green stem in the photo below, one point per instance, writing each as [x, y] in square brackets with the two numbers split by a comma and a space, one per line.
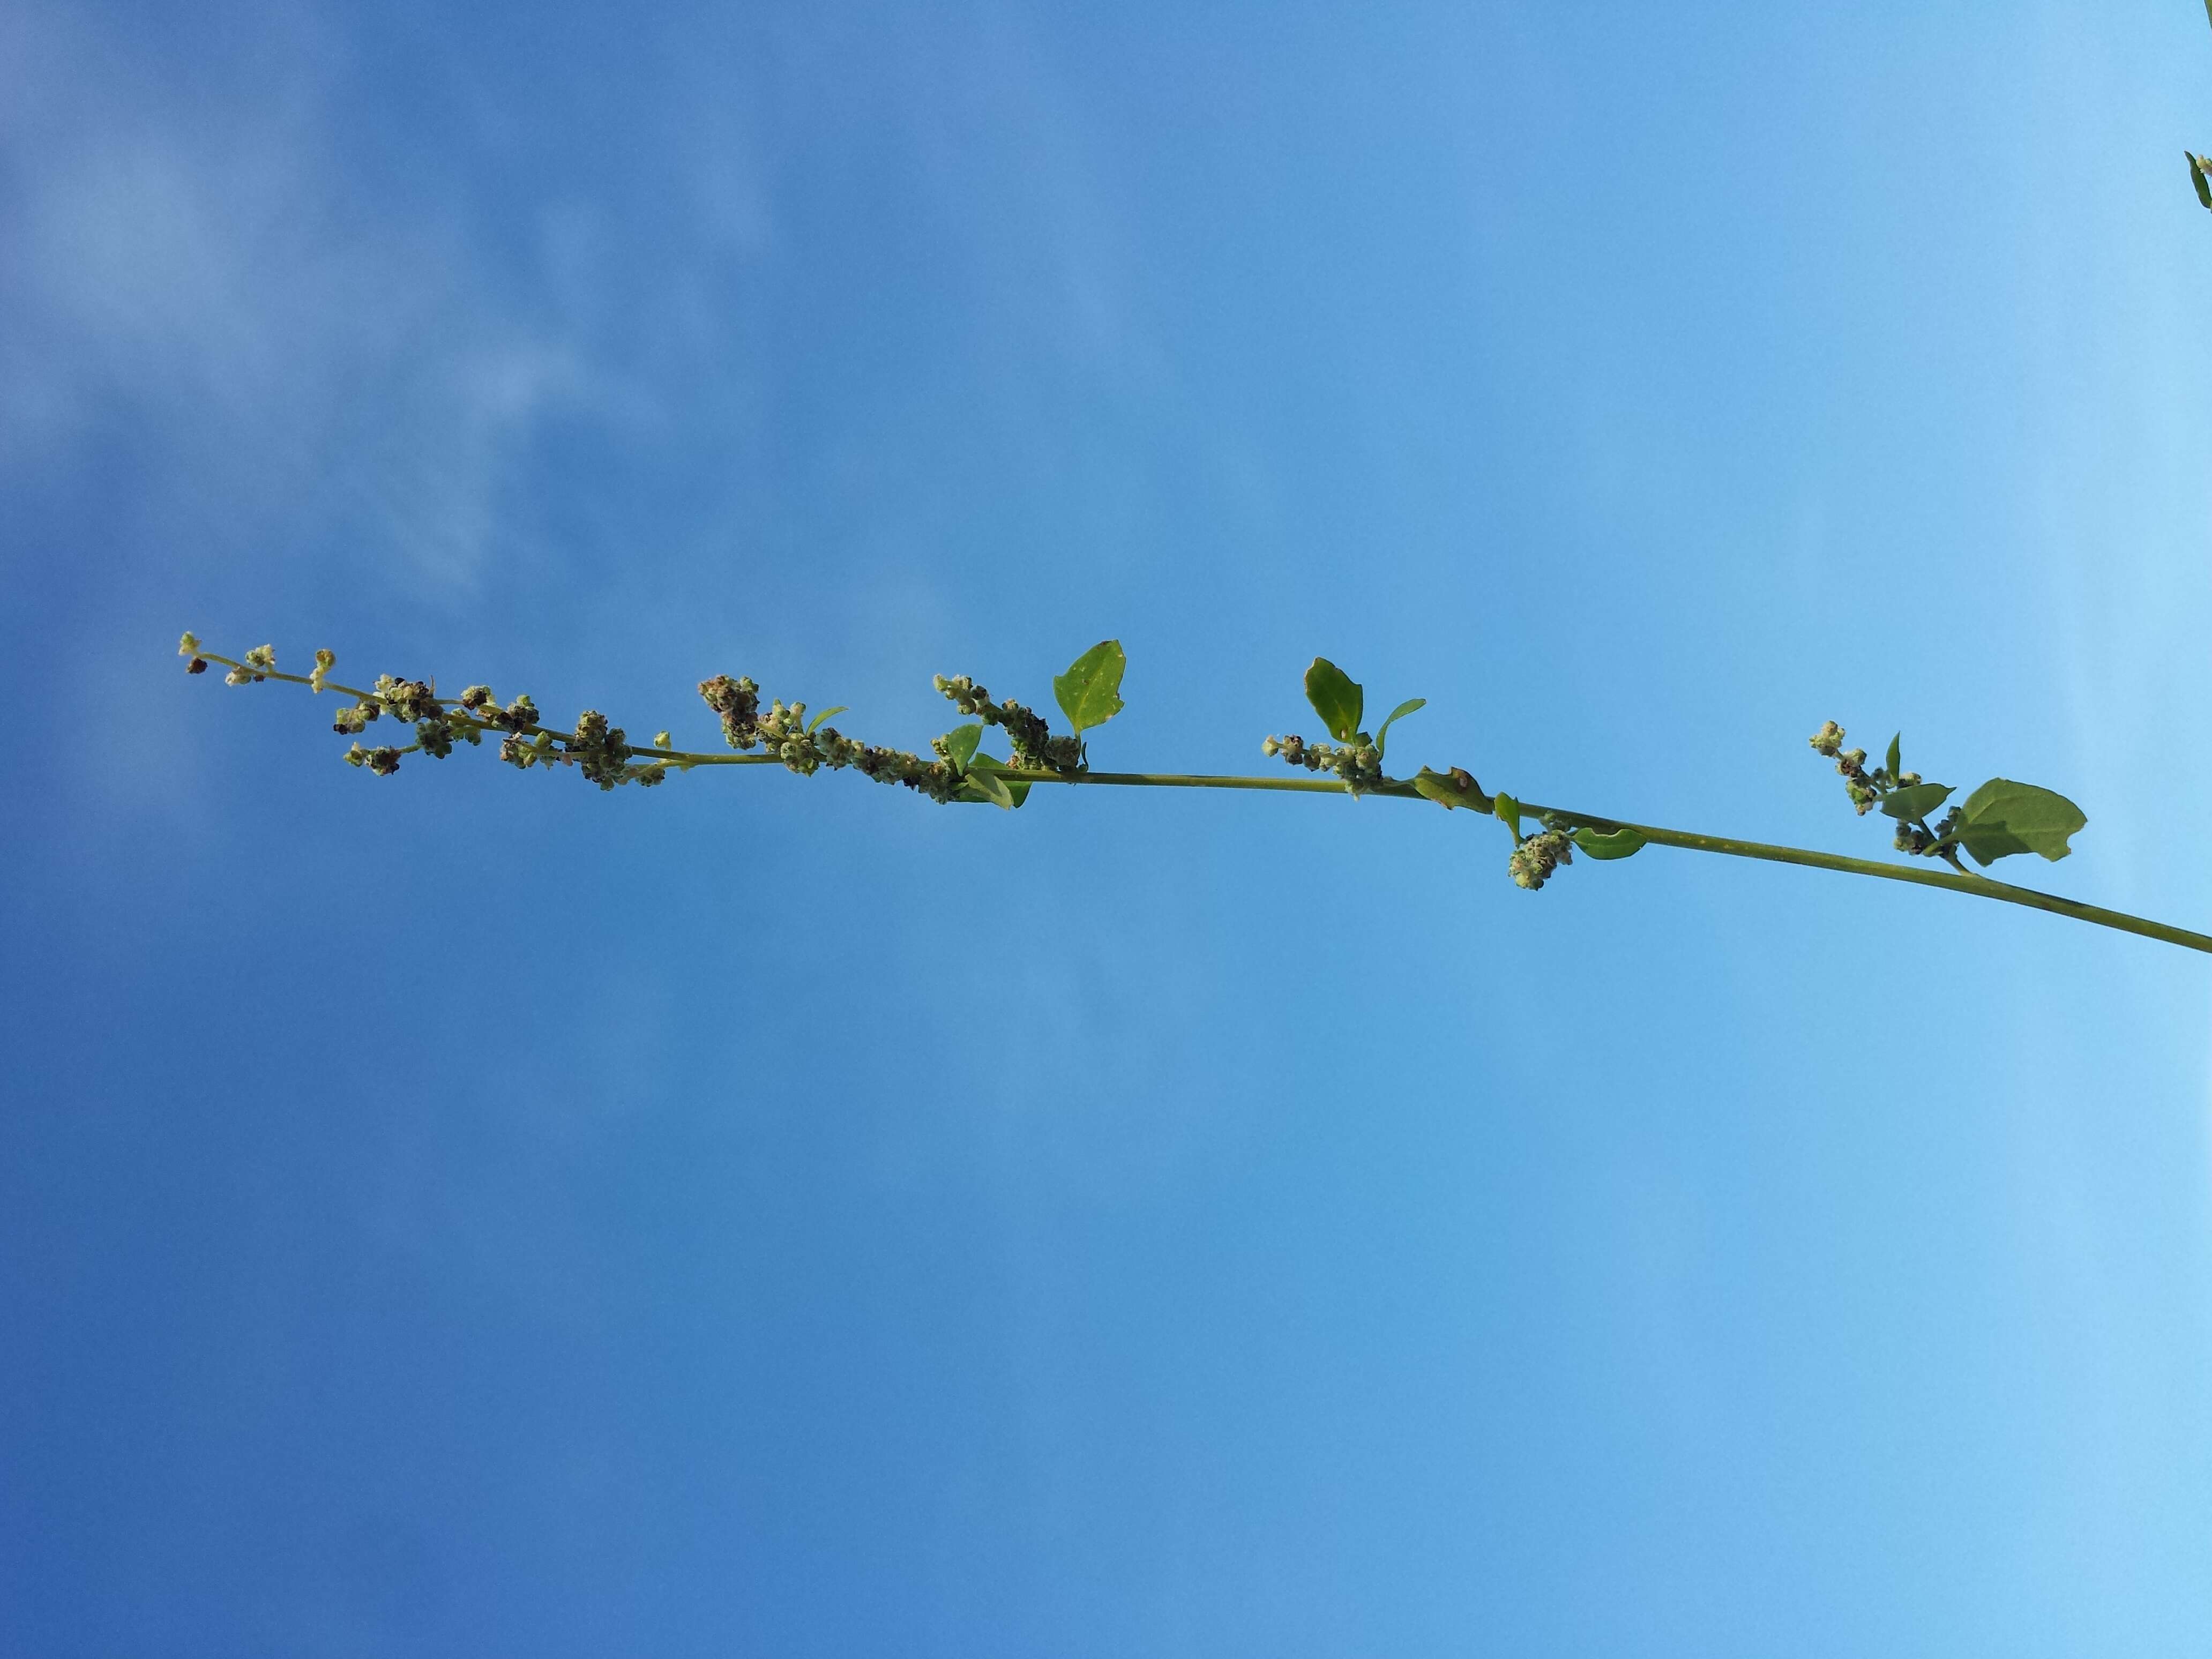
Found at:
[1976, 886]
[1398, 789]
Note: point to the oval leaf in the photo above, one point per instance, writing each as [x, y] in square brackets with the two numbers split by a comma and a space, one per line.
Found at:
[1090, 693]
[1915, 802]
[960, 744]
[1895, 765]
[2002, 817]
[1336, 697]
[1382, 732]
[1609, 844]
[2197, 172]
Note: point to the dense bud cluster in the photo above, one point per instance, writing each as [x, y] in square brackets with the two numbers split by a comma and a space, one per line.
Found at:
[1534, 859]
[737, 702]
[1360, 764]
[600, 750]
[1036, 749]
[407, 700]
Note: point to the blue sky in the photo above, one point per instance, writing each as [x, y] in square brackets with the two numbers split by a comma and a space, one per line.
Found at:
[464, 1211]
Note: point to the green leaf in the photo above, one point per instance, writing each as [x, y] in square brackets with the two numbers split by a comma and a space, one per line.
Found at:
[991, 764]
[1609, 844]
[1510, 810]
[1090, 693]
[1457, 787]
[984, 784]
[815, 724]
[2197, 165]
[1336, 698]
[960, 744]
[2002, 817]
[1915, 801]
[1896, 766]
[1399, 712]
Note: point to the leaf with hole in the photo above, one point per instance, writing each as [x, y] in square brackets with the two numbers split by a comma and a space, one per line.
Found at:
[1915, 801]
[1336, 697]
[1455, 788]
[2002, 817]
[1090, 693]
[1609, 844]
[1382, 732]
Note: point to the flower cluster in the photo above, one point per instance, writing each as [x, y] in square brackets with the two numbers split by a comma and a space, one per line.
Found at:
[1360, 764]
[1865, 788]
[785, 734]
[1868, 788]
[1534, 859]
[1036, 749]
[602, 752]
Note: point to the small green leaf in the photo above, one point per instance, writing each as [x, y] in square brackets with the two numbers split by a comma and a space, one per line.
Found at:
[2197, 165]
[960, 744]
[1510, 810]
[1896, 766]
[815, 724]
[1915, 801]
[1457, 787]
[2002, 817]
[1090, 693]
[984, 784]
[1609, 844]
[1019, 792]
[1404, 708]
[1336, 698]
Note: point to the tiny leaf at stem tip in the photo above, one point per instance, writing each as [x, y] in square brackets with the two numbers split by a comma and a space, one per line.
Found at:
[1895, 764]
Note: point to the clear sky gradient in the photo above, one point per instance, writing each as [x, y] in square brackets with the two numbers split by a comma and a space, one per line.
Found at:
[467, 1213]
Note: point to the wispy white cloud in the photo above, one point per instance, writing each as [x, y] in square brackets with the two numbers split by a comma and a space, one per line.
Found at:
[191, 268]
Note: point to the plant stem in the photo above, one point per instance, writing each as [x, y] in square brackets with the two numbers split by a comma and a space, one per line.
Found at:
[1398, 789]
[1976, 886]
